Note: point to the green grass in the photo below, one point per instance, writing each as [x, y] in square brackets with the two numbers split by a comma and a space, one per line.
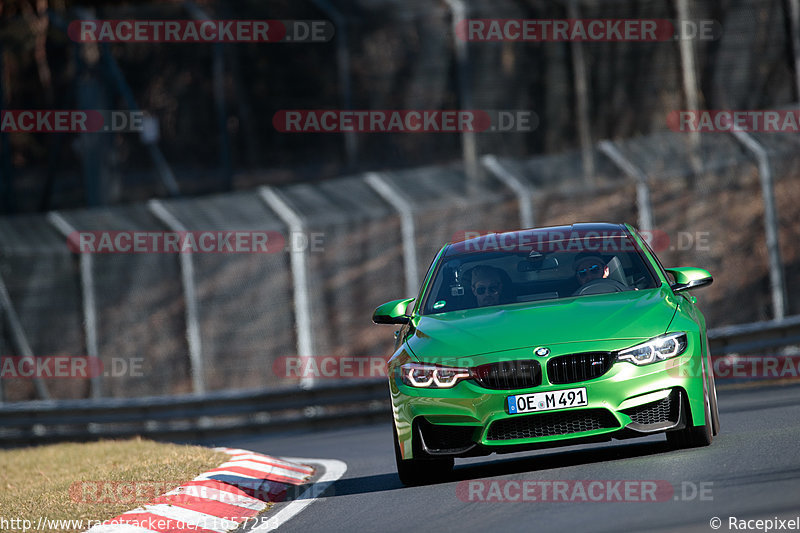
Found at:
[45, 481]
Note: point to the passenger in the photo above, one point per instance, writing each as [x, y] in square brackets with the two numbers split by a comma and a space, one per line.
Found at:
[487, 285]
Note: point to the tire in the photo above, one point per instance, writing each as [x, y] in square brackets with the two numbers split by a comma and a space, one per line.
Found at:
[420, 471]
[694, 436]
[714, 405]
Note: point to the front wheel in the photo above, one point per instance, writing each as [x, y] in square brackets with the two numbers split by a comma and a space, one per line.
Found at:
[694, 436]
[420, 471]
[714, 404]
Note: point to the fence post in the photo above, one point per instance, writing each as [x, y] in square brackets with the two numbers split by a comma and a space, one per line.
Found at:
[405, 209]
[86, 264]
[343, 68]
[582, 99]
[523, 191]
[6, 177]
[794, 24]
[776, 278]
[469, 141]
[19, 339]
[218, 85]
[689, 76]
[162, 167]
[643, 203]
[193, 339]
[300, 273]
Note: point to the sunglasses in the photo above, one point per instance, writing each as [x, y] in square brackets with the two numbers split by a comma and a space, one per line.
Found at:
[594, 269]
[480, 290]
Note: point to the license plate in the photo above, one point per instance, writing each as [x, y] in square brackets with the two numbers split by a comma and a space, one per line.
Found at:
[547, 401]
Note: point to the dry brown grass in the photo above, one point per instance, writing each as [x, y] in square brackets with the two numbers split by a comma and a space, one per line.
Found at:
[35, 482]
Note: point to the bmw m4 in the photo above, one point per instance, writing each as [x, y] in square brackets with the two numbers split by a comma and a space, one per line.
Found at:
[547, 337]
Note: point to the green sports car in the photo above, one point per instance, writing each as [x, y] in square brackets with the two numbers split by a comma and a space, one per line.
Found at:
[547, 337]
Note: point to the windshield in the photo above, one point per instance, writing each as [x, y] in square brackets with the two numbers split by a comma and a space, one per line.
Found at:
[490, 275]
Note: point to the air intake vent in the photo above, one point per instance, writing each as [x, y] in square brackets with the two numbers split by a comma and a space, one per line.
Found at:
[550, 424]
[577, 367]
[509, 375]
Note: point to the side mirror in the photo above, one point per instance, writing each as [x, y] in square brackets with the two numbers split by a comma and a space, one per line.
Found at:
[689, 278]
[393, 312]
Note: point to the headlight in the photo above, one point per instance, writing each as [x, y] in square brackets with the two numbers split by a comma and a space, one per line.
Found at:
[656, 349]
[432, 376]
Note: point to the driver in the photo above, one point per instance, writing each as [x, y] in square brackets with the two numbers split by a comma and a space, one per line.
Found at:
[589, 267]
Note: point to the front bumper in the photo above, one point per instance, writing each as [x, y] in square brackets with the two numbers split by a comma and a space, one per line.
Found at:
[627, 401]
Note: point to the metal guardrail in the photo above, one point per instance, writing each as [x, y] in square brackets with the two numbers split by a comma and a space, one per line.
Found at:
[38, 422]
[745, 338]
[353, 402]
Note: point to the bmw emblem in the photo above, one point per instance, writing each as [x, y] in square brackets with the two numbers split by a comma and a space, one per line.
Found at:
[541, 351]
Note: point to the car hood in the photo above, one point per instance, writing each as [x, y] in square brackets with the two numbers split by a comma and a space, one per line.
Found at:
[628, 315]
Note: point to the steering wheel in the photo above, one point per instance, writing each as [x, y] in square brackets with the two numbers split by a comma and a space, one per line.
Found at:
[600, 286]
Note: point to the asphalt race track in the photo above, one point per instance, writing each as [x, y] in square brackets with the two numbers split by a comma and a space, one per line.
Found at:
[752, 470]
